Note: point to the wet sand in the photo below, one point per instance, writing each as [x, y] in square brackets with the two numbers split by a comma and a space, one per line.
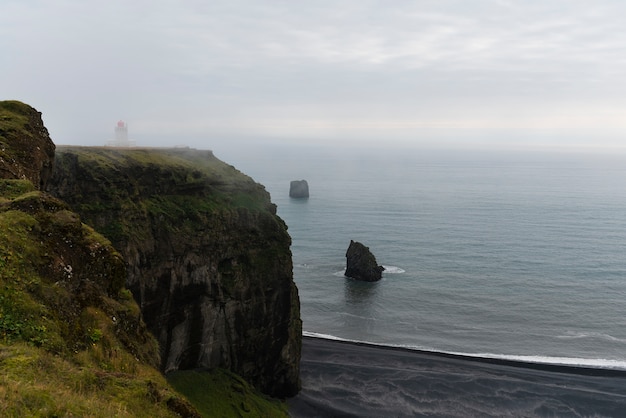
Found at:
[345, 379]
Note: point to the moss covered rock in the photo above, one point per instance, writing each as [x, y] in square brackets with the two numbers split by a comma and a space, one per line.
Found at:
[209, 261]
[26, 150]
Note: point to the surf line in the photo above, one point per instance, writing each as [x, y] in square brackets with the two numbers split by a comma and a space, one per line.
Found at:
[583, 370]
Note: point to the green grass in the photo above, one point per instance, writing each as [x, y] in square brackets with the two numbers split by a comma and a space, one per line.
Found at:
[10, 189]
[71, 343]
[173, 189]
[13, 118]
[219, 393]
[36, 383]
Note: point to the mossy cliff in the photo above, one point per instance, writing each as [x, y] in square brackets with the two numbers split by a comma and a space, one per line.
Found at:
[208, 259]
[26, 150]
[73, 341]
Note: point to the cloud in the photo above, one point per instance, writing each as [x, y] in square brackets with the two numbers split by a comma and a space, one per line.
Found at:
[317, 70]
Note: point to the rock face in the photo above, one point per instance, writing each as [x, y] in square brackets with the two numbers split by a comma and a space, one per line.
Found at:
[299, 189]
[361, 263]
[26, 150]
[209, 262]
[64, 309]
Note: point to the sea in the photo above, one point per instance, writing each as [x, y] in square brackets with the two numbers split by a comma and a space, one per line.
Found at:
[517, 255]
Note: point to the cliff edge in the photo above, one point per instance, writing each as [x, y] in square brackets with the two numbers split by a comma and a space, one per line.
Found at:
[208, 260]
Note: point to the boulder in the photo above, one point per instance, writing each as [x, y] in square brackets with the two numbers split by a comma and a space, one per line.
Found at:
[361, 263]
[299, 189]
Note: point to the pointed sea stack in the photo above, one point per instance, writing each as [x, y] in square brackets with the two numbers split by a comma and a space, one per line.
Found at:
[361, 263]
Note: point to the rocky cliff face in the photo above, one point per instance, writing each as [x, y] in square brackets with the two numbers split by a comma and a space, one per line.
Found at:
[26, 150]
[72, 341]
[208, 259]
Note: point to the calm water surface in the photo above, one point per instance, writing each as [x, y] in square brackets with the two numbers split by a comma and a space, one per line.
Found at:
[491, 254]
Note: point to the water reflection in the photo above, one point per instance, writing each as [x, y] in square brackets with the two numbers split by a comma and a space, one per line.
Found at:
[361, 307]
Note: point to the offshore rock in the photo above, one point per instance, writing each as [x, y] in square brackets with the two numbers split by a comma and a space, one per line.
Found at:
[299, 189]
[209, 262]
[361, 263]
[26, 150]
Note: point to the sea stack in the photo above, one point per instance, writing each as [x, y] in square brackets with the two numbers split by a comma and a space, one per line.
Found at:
[361, 263]
[299, 189]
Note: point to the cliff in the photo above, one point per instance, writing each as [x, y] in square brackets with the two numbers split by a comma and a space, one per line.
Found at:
[72, 342]
[72, 338]
[208, 260]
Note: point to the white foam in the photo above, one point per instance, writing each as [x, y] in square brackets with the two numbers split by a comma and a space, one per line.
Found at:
[548, 360]
[574, 335]
[303, 265]
[559, 361]
[324, 336]
[393, 270]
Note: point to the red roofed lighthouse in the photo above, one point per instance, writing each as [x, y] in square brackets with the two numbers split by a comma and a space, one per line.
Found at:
[121, 132]
[121, 136]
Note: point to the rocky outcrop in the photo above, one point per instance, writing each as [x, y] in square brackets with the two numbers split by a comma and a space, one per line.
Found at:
[361, 263]
[26, 150]
[66, 318]
[209, 261]
[299, 189]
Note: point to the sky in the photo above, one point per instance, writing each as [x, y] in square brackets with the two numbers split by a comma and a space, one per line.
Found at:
[450, 73]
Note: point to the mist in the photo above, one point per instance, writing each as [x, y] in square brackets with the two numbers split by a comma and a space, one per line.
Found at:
[427, 74]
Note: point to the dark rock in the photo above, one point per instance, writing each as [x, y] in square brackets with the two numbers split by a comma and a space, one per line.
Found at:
[209, 262]
[299, 189]
[361, 263]
[26, 150]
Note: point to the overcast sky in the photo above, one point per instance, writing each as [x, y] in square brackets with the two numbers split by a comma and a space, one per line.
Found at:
[536, 73]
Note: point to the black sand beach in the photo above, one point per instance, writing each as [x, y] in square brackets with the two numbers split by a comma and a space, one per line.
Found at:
[344, 379]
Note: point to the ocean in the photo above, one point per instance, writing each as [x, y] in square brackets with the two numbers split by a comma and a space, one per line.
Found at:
[511, 255]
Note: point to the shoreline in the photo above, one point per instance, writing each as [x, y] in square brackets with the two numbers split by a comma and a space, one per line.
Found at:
[354, 379]
[542, 366]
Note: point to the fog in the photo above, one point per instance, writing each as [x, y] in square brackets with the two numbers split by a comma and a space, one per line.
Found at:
[223, 74]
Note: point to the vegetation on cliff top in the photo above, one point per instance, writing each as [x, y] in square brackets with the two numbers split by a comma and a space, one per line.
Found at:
[171, 185]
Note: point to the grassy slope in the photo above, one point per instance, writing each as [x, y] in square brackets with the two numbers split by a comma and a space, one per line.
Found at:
[171, 184]
[220, 393]
[61, 352]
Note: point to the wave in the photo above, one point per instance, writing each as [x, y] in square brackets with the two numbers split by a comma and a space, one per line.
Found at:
[574, 335]
[303, 265]
[583, 363]
[393, 270]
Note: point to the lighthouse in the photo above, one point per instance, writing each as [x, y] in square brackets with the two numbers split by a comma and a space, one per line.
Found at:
[121, 132]
[121, 136]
